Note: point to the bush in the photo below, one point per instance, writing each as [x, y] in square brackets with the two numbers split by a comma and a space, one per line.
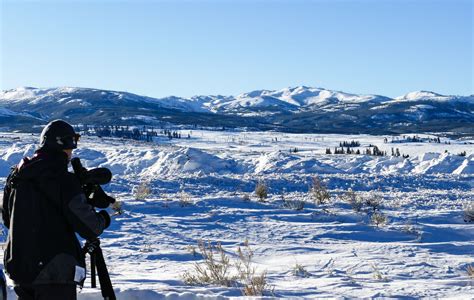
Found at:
[378, 219]
[214, 270]
[253, 284]
[261, 190]
[117, 208]
[246, 197]
[470, 271]
[294, 204]
[217, 267]
[184, 199]
[300, 271]
[373, 201]
[354, 200]
[142, 191]
[469, 213]
[318, 192]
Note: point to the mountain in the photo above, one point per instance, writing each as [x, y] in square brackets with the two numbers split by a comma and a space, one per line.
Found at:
[297, 109]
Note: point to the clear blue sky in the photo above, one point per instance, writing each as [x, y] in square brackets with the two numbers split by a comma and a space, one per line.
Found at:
[185, 48]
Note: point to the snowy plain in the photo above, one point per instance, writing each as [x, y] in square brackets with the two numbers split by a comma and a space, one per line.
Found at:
[200, 190]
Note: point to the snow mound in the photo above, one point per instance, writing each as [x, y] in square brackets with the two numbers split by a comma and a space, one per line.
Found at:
[466, 167]
[279, 162]
[12, 156]
[446, 163]
[189, 161]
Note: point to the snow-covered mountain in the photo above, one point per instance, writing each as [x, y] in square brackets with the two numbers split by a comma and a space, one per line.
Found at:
[297, 109]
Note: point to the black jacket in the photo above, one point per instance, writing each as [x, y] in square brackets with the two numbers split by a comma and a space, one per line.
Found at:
[43, 207]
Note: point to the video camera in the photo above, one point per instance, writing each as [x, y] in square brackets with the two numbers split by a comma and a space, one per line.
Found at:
[91, 181]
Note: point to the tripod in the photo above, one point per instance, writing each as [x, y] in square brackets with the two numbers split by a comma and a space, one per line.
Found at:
[98, 263]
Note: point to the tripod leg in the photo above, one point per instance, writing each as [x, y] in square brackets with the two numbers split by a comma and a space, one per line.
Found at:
[104, 277]
[93, 268]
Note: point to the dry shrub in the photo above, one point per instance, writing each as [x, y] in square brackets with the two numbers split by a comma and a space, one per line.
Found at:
[374, 201]
[469, 213]
[142, 191]
[470, 271]
[246, 197]
[300, 271]
[261, 190]
[378, 219]
[214, 270]
[117, 207]
[318, 192]
[377, 274]
[354, 200]
[294, 204]
[184, 199]
[253, 284]
[217, 269]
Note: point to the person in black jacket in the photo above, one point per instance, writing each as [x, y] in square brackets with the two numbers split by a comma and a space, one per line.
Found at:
[43, 208]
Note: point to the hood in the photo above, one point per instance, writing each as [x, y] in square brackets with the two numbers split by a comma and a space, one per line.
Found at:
[43, 165]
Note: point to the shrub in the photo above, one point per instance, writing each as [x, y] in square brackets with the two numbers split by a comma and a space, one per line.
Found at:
[377, 274]
[117, 208]
[300, 271]
[261, 190]
[354, 200]
[142, 191]
[184, 199]
[318, 192]
[470, 271]
[217, 269]
[294, 204]
[469, 213]
[373, 201]
[378, 219]
[253, 284]
[214, 269]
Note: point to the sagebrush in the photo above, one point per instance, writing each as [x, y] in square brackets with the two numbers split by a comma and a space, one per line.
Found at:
[261, 190]
[218, 269]
[318, 192]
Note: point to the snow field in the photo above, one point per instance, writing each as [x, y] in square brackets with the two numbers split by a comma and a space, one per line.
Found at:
[422, 251]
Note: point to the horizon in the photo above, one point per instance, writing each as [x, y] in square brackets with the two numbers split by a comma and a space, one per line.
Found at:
[164, 48]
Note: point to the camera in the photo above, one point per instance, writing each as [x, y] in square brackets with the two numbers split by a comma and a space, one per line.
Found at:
[91, 181]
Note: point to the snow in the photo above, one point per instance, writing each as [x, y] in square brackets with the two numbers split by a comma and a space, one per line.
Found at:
[431, 96]
[290, 99]
[198, 186]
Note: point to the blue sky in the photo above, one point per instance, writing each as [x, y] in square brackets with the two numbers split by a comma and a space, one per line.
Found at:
[185, 48]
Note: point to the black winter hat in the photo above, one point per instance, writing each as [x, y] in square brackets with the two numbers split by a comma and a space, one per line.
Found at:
[58, 135]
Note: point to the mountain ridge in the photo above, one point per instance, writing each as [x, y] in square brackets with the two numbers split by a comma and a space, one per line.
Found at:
[294, 109]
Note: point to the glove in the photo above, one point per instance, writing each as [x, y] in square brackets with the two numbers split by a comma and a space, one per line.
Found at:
[106, 217]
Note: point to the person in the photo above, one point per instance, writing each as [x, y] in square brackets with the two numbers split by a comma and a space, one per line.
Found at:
[43, 208]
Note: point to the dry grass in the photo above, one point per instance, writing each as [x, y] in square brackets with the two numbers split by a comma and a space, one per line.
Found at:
[377, 274]
[253, 284]
[214, 270]
[218, 269]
